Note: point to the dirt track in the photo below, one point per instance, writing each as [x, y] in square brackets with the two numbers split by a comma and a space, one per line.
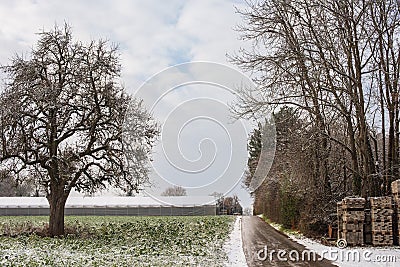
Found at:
[258, 235]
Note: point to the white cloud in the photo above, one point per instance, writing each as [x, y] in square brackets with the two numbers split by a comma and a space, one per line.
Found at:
[152, 34]
[210, 24]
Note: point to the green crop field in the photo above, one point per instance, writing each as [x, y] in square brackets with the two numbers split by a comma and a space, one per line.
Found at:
[116, 241]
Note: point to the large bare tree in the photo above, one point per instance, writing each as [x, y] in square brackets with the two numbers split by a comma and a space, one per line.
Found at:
[66, 119]
[330, 59]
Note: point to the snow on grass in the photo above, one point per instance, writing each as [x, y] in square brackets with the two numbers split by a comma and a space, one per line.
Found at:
[234, 246]
[119, 241]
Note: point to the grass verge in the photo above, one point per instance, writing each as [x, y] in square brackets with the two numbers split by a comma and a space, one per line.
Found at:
[281, 228]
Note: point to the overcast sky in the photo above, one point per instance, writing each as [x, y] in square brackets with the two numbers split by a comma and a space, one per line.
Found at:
[154, 35]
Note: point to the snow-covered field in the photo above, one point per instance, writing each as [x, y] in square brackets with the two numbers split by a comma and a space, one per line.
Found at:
[124, 241]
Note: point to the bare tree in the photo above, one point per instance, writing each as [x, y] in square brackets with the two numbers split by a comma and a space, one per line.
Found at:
[66, 118]
[338, 64]
[229, 205]
[216, 195]
[329, 59]
[386, 28]
[174, 191]
[11, 187]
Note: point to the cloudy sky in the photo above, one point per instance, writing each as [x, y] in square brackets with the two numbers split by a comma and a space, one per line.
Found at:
[196, 149]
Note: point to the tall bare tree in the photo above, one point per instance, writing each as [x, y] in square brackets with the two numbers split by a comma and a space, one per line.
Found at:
[66, 118]
[386, 27]
[329, 58]
[174, 191]
[338, 64]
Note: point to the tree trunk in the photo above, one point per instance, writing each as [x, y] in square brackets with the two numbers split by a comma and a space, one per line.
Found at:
[57, 207]
[356, 178]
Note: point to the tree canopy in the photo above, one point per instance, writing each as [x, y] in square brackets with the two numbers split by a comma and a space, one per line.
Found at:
[66, 119]
[336, 64]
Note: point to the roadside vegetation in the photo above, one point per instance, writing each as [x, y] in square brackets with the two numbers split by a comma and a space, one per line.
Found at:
[328, 72]
[281, 227]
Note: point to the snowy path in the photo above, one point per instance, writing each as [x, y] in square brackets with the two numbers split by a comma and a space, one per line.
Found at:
[352, 257]
[348, 257]
[234, 246]
[264, 246]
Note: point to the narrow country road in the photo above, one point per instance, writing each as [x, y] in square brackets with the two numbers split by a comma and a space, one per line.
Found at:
[261, 240]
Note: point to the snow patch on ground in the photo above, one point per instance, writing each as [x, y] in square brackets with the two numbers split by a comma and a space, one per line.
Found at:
[350, 256]
[234, 246]
[353, 256]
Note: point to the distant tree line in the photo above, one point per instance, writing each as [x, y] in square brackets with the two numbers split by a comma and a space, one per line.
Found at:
[329, 71]
[174, 191]
[229, 206]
